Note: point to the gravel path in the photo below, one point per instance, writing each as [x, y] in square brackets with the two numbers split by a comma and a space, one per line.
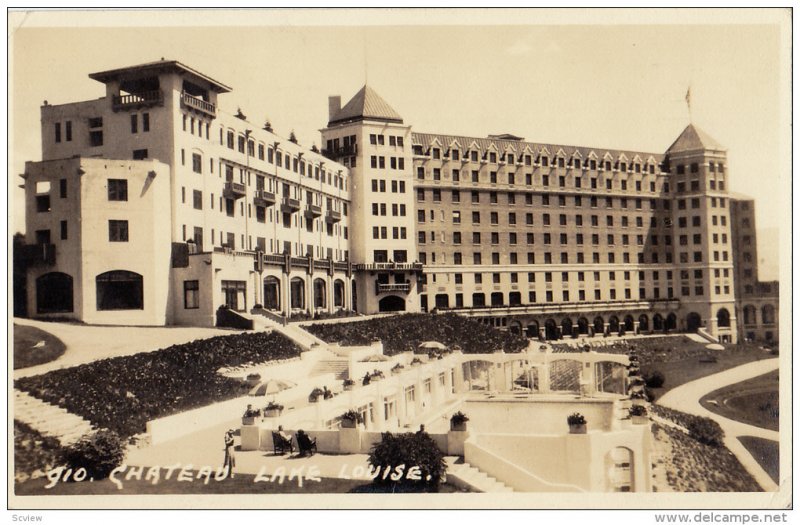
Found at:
[686, 398]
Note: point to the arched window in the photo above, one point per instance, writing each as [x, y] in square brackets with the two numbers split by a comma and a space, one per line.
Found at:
[768, 314]
[749, 314]
[319, 293]
[54, 293]
[723, 318]
[120, 290]
[272, 293]
[338, 293]
[298, 293]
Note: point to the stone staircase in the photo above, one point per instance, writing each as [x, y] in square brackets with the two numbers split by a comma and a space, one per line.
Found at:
[49, 419]
[464, 475]
[338, 367]
[304, 339]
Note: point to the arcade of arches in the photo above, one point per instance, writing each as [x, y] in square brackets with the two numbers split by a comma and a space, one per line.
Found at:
[324, 295]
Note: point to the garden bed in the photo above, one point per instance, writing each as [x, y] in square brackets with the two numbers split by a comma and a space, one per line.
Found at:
[402, 333]
[124, 393]
[754, 401]
[34, 453]
[33, 346]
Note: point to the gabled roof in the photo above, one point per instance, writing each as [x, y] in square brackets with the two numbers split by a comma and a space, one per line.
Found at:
[693, 139]
[366, 104]
[154, 68]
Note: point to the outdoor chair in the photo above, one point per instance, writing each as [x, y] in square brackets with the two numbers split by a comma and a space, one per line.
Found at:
[281, 444]
[306, 444]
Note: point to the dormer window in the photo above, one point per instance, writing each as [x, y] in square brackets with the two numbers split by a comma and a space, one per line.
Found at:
[576, 163]
[473, 156]
[418, 149]
[560, 162]
[545, 161]
[436, 153]
[454, 154]
[493, 157]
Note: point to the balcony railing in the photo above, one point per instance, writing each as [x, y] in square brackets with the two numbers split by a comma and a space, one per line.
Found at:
[138, 100]
[313, 211]
[290, 205]
[264, 198]
[234, 190]
[396, 287]
[333, 216]
[36, 254]
[198, 104]
[342, 151]
[415, 266]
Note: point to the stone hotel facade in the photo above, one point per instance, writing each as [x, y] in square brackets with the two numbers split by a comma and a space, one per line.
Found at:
[152, 206]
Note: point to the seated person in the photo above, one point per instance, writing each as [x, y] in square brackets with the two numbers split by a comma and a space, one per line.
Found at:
[305, 444]
[326, 394]
[283, 434]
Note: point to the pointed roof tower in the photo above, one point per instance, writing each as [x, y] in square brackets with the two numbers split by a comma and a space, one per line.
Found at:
[694, 139]
[366, 104]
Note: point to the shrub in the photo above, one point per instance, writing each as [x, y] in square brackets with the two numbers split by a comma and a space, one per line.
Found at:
[409, 450]
[637, 410]
[348, 382]
[352, 415]
[705, 431]
[99, 453]
[654, 379]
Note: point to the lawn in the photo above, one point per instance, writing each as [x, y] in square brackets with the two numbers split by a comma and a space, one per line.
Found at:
[766, 452]
[33, 346]
[405, 332]
[754, 401]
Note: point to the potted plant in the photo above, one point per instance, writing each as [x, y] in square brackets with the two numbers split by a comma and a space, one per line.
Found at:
[377, 374]
[416, 361]
[273, 409]
[577, 423]
[315, 394]
[639, 398]
[396, 369]
[250, 415]
[253, 379]
[351, 419]
[348, 384]
[638, 415]
[458, 422]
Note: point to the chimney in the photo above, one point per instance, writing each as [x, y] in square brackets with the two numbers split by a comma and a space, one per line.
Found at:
[334, 105]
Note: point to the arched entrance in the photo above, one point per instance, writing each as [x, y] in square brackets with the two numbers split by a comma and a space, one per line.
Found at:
[599, 325]
[272, 293]
[515, 327]
[319, 294]
[723, 318]
[629, 323]
[644, 325]
[54, 293]
[619, 465]
[497, 298]
[672, 322]
[532, 330]
[613, 324]
[392, 303]
[583, 326]
[297, 289]
[566, 327]
[121, 290]
[338, 293]
[693, 322]
[550, 330]
[658, 322]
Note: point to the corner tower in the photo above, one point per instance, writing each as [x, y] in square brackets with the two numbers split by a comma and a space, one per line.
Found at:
[369, 136]
[702, 228]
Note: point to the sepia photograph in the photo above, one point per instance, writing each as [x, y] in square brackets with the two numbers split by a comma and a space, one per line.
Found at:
[400, 259]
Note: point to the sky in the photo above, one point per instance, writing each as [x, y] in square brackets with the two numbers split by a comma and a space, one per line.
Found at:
[611, 78]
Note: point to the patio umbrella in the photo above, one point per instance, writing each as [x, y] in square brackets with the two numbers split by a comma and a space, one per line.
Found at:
[271, 387]
[432, 345]
[375, 358]
[715, 346]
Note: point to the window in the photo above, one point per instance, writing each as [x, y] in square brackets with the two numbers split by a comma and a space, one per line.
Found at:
[63, 230]
[117, 189]
[68, 130]
[135, 123]
[62, 188]
[43, 203]
[191, 294]
[117, 231]
[58, 131]
[119, 290]
[197, 198]
[140, 154]
[197, 163]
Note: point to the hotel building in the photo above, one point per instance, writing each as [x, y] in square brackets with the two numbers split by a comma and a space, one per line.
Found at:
[153, 206]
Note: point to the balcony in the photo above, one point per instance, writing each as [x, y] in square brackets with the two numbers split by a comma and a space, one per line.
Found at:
[263, 198]
[313, 211]
[234, 190]
[290, 205]
[396, 287]
[36, 254]
[137, 100]
[333, 216]
[198, 104]
[389, 266]
[342, 151]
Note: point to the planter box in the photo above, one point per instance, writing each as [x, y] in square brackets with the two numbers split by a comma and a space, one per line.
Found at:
[577, 429]
[640, 420]
[249, 420]
[348, 423]
[458, 427]
[639, 402]
[348, 388]
[313, 399]
[273, 412]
